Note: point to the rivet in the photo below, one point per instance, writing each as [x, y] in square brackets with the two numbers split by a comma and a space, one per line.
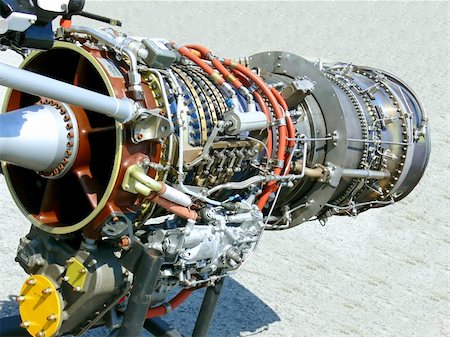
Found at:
[77, 289]
[20, 299]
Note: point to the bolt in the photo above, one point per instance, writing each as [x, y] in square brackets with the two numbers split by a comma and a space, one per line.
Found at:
[92, 263]
[40, 334]
[66, 278]
[31, 282]
[52, 318]
[77, 289]
[47, 291]
[124, 242]
[20, 299]
[83, 271]
[25, 324]
[70, 261]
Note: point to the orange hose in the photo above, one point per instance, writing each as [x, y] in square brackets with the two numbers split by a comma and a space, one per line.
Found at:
[282, 130]
[206, 54]
[198, 61]
[289, 123]
[173, 303]
[264, 109]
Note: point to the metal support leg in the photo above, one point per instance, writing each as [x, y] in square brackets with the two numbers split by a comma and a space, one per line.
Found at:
[206, 313]
[9, 327]
[144, 282]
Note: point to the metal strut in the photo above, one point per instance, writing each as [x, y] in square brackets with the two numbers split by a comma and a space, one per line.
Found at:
[146, 276]
[207, 309]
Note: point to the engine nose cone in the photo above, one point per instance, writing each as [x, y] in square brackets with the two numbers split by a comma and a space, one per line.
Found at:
[41, 137]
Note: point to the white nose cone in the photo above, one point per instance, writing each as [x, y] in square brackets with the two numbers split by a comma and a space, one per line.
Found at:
[34, 137]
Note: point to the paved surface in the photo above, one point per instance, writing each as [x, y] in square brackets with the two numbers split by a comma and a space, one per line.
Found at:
[385, 273]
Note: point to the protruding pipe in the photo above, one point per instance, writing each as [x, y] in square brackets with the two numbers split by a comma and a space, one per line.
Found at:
[122, 110]
[369, 174]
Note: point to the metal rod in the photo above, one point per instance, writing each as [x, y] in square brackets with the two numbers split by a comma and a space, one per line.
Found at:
[144, 283]
[122, 110]
[206, 313]
[376, 141]
[371, 174]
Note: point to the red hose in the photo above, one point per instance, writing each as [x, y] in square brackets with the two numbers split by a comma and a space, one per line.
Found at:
[263, 107]
[282, 130]
[198, 61]
[173, 303]
[207, 55]
[289, 123]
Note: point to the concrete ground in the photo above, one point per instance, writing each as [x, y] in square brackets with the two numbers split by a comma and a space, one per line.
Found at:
[383, 274]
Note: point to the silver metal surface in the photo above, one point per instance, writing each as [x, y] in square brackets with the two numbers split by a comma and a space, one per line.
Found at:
[122, 110]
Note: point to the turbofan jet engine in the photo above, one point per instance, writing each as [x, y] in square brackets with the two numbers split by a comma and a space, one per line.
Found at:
[145, 166]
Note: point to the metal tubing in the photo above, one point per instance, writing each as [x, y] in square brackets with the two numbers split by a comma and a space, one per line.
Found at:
[369, 174]
[144, 283]
[206, 313]
[122, 110]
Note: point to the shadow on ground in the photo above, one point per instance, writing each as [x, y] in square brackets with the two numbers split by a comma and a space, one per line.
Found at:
[239, 312]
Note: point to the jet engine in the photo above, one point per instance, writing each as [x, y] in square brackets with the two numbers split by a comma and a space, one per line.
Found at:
[145, 166]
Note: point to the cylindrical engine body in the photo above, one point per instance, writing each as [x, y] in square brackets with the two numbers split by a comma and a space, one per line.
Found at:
[348, 117]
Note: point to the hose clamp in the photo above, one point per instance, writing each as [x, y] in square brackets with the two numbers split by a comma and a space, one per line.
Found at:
[278, 122]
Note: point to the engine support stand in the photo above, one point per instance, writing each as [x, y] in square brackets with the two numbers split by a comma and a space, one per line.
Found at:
[207, 309]
[145, 278]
